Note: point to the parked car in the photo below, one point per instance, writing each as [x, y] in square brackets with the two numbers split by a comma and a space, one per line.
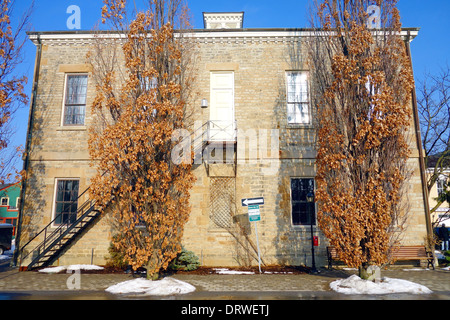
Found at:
[6, 231]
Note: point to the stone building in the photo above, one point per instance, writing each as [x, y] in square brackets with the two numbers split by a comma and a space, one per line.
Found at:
[254, 98]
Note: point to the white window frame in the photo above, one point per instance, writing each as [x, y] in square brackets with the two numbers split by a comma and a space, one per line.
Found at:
[7, 201]
[308, 103]
[55, 191]
[66, 77]
[441, 183]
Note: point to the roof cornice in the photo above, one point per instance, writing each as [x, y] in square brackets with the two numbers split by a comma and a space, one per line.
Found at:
[203, 35]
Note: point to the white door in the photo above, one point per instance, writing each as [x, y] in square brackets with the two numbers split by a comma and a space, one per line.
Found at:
[222, 123]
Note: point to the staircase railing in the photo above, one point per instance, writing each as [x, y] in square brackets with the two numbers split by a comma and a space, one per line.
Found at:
[215, 131]
[223, 131]
[52, 237]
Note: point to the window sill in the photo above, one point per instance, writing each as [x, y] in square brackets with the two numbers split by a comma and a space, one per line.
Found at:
[299, 126]
[72, 128]
[303, 227]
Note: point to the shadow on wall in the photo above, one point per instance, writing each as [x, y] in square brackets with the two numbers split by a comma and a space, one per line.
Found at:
[297, 155]
[36, 200]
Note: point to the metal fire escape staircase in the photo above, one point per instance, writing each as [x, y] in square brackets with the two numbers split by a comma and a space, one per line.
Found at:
[55, 241]
[212, 137]
[58, 236]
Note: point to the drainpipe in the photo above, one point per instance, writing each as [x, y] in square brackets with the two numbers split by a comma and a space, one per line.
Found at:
[26, 158]
[419, 146]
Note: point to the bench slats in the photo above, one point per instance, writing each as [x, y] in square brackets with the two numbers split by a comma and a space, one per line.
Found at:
[398, 253]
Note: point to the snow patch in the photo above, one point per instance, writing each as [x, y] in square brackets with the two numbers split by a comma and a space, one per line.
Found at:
[416, 269]
[74, 267]
[164, 287]
[356, 285]
[227, 271]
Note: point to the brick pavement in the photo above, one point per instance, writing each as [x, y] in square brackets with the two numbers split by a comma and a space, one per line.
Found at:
[13, 281]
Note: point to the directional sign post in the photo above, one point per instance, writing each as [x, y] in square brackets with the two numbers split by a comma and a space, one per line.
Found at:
[254, 215]
[252, 201]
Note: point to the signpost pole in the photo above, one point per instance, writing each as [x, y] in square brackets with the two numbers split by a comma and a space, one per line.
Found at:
[257, 245]
[254, 215]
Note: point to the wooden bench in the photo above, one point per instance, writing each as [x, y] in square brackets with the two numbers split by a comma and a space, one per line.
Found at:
[413, 253]
[331, 255]
[398, 254]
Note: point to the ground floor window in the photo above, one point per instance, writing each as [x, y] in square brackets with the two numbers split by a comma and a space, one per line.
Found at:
[301, 214]
[66, 204]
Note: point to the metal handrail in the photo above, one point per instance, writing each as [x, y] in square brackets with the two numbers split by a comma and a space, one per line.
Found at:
[56, 217]
[58, 235]
[227, 127]
[50, 238]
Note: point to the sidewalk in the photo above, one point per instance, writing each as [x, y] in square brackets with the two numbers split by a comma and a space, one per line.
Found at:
[271, 286]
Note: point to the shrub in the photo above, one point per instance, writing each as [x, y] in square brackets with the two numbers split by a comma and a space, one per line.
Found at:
[186, 261]
[115, 259]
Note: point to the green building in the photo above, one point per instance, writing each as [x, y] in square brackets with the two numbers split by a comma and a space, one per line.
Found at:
[9, 203]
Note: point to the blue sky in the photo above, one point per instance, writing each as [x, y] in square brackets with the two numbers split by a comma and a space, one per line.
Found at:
[430, 50]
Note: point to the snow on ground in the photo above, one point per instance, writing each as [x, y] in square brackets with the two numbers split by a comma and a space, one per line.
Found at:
[71, 268]
[355, 285]
[226, 271]
[416, 269]
[164, 287]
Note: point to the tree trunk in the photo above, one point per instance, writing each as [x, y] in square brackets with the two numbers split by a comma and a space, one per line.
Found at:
[152, 272]
[370, 273]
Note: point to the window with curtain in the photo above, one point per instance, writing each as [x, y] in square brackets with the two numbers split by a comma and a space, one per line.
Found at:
[298, 110]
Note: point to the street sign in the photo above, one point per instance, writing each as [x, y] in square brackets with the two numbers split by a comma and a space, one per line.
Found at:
[253, 213]
[252, 201]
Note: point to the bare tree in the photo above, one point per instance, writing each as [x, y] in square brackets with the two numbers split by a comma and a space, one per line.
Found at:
[434, 109]
[12, 95]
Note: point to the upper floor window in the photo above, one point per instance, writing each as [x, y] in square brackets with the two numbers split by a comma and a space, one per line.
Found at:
[5, 201]
[75, 99]
[298, 109]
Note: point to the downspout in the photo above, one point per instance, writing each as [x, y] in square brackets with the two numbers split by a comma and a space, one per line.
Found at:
[419, 146]
[26, 158]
